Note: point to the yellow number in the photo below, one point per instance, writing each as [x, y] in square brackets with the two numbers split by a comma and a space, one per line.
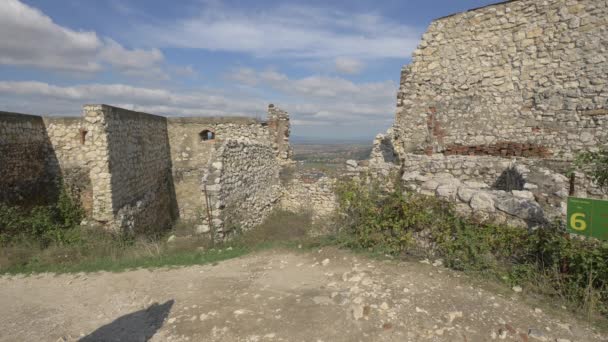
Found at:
[577, 221]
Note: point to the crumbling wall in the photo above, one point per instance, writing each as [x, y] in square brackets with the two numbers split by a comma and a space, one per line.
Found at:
[278, 122]
[521, 78]
[496, 103]
[28, 165]
[242, 185]
[191, 153]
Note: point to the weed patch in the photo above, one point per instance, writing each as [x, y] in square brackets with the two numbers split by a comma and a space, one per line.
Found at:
[547, 259]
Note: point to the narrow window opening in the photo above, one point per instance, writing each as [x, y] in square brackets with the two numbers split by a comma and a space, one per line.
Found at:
[83, 135]
[207, 135]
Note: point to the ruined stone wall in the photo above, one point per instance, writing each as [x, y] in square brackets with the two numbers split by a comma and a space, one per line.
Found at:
[242, 185]
[136, 172]
[278, 122]
[190, 155]
[521, 78]
[306, 193]
[138, 183]
[28, 165]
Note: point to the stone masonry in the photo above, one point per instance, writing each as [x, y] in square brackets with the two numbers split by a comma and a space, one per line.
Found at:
[495, 105]
[520, 78]
[138, 173]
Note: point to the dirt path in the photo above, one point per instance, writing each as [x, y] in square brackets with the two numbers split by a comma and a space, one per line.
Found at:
[326, 295]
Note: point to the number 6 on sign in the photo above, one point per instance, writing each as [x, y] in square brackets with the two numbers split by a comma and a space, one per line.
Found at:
[577, 221]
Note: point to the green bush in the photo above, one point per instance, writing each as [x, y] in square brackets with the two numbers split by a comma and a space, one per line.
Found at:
[547, 259]
[41, 224]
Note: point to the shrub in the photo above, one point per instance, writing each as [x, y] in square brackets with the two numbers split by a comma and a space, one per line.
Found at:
[548, 258]
[41, 224]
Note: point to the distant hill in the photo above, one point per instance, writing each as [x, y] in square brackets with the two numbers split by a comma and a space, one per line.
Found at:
[298, 140]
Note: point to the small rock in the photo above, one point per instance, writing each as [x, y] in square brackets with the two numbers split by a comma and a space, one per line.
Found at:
[453, 315]
[537, 335]
[438, 263]
[325, 262]
[502, 334]
[517, 289]
[419, 310]
[537, 310]
[357, 311]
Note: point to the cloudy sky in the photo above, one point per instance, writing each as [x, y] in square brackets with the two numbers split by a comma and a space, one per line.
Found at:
[334, 65]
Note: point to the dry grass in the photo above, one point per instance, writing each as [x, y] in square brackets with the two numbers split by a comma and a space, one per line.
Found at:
[99, 250]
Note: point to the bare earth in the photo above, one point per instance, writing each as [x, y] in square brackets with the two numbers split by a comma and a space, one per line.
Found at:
[326, 295]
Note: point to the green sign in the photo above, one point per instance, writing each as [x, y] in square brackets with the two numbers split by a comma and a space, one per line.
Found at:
[588, 217]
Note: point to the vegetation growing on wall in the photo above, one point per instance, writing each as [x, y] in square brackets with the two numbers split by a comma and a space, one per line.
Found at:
[546, 259]
[594, 164]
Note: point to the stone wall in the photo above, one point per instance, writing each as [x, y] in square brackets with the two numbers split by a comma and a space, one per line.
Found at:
[27, 162]
[139, 164]
[242, 185]
[495, 105]
[136, 172]
[521, 78]
[191, 153]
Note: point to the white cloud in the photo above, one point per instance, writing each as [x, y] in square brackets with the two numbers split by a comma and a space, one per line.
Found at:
[30, 38]
[286, 31]
[124, 59]
[312, 101]
[43, 98]
[326, 99]
[245, 76]
[345, 65]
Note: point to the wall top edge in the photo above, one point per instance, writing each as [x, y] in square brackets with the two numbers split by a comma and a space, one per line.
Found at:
[6, 116]
[475, 9]
[212, 120]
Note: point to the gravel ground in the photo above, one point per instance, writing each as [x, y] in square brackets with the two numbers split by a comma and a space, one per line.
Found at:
[327, 295]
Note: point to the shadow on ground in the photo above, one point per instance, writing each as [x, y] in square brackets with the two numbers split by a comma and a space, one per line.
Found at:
[137, 326]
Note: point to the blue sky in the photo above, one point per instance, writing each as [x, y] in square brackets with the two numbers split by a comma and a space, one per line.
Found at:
[334, 65]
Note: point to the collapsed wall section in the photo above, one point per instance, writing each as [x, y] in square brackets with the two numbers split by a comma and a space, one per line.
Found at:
[522, 78]
[311, 193]
[28, 165]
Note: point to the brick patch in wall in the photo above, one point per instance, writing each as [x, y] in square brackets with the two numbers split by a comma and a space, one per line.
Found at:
[501, 149]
